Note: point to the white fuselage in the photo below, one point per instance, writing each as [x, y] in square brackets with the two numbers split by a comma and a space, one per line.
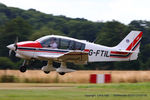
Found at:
[97, 53]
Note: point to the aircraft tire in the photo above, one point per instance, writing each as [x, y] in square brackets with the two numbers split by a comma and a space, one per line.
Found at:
[46, 72]
[23, 69]
[62, 73]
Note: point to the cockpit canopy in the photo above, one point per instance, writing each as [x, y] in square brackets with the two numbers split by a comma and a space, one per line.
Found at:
[60, 43]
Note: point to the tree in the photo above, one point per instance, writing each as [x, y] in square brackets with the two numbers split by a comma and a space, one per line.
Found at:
[17, 27]
[44, 31]
[83, 30]
[6, 63]
[112, 33]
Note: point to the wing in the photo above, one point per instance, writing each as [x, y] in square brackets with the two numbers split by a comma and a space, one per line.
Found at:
[49, 57]
[69, 56]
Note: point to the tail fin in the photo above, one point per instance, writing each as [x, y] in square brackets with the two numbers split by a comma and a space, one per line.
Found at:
[131, 43]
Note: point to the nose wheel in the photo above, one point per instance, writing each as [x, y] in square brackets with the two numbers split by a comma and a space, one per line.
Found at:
[23, 69]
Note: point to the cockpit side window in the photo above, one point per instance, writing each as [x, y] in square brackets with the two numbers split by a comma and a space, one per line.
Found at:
[51, 42]
[72, 45]
[83, 46]
[79, 46]
[64, 44]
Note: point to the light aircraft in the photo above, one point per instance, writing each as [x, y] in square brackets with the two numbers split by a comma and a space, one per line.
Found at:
[54, 48]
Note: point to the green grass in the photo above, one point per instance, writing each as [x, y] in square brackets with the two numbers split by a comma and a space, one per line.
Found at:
[118, 91]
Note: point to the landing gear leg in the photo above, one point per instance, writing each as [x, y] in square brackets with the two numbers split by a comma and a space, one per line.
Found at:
[63, 69]
[49, 67]
[63, 66]
[23, 67]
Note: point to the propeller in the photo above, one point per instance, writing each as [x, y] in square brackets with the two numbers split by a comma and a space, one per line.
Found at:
[10, 51]
[14, 45]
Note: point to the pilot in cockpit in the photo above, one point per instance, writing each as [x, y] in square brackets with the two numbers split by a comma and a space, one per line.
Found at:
[53, 43]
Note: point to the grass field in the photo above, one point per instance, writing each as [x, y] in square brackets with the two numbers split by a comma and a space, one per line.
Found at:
[38, 91]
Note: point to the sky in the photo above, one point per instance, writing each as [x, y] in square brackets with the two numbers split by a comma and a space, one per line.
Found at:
[123, 11]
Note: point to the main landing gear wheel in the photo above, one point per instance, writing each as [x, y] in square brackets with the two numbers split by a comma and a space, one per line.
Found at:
[46, 72]
[23, 69]
[62, 73]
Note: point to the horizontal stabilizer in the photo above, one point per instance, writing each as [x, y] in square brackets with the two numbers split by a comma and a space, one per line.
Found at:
[125, 51]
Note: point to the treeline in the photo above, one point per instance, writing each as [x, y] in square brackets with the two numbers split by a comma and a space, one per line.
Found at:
[32, 24]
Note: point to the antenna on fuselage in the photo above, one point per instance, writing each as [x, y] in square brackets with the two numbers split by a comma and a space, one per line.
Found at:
[95, 40]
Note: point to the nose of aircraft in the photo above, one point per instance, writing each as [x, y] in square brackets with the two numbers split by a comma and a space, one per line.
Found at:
[11, 47]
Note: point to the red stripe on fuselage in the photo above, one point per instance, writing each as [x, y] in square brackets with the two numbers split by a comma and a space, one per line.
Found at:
[116, 52]
[127, 56]
[33, 44]
[42, 51]
[86, 50]
[53, 52]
